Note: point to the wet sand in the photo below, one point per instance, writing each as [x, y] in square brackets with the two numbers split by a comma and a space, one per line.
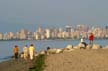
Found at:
[78, 60]
[13, 65]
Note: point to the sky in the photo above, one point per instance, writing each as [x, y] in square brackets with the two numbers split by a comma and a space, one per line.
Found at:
[30, 14]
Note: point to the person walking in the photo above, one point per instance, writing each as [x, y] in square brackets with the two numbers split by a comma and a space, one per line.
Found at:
[15, 50]
[91, 38]
[25, 52]
[31, 51]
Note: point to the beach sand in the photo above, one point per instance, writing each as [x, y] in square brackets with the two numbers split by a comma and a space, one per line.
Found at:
[78, 60]
[13, 65]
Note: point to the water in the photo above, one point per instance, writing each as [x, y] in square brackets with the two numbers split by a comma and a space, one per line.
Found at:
[6, 47]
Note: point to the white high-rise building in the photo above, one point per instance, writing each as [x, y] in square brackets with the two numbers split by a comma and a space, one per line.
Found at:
[36, 36]
[1, 36]
[17, 35]
[5, 37]
[22, 34]
[11, 35]
[47, 33]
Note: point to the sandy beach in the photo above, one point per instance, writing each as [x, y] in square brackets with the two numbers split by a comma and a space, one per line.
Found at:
[13, 65]
[76, 60]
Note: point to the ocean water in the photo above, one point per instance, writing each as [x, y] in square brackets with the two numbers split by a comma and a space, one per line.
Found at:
[6, 47]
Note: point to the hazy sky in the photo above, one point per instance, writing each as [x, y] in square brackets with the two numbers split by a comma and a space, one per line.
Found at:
[17, 14]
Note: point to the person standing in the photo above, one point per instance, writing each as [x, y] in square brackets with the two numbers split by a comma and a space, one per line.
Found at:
[31, 51]
[15, 50]
[25, 51]
[91, 38]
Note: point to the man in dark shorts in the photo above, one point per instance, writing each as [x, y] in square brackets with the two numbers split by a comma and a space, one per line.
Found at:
[15, 52]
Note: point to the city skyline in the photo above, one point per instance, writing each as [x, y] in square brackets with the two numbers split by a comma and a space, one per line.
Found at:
[30, 14]
[69, 32]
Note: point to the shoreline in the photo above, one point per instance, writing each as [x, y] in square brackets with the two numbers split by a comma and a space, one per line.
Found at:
[7, 58]
[77, 60]
[22, 65]
[56, 58]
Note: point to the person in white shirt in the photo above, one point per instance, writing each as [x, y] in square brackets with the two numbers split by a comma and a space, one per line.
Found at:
[25, 51]
[83, 44]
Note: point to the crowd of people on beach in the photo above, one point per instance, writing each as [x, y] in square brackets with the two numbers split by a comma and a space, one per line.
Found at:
[28, 52]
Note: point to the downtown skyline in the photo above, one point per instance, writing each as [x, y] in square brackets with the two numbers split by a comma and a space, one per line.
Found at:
[69, 32]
